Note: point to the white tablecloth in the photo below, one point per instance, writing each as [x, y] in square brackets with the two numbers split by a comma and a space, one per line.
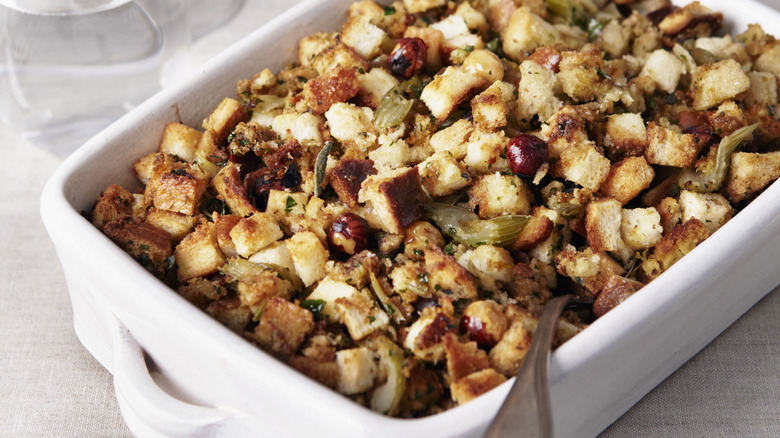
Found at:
[50, 386]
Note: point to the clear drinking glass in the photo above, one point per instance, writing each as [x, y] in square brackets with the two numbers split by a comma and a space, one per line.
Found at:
[68, 68]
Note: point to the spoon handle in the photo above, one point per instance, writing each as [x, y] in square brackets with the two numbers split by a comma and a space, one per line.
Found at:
[526, 410]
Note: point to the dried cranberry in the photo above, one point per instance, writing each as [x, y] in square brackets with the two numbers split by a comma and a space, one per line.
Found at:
[526, 153]
[408, 58]
[477, 331]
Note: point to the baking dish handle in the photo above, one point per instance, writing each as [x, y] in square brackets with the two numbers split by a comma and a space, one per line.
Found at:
[151, 412]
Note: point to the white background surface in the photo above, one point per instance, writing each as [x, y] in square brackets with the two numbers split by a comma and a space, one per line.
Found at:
[50, 386]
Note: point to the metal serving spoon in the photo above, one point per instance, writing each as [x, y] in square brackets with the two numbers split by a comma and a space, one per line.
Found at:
[526, 410]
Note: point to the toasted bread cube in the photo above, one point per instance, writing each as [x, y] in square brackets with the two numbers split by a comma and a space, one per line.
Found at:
[665, 69]
[288, 208]
[256, 289]
[150, 245]
[309, 256]
[223, 223]
[357, 370]
[303, 127]
[682, 239]
[114, 202]
[143, 169]
[507, 355]
[617, 290]
[715, 83]
[589, 269]
[177, 187]
[338, 54]
[727, 118]
[425, 336]
[614, 39]
[366, 38]
[485, 151]
[312, 45]
[198, 254]
[563, 129]
[694, 19]
[627, 179]
[536, 93]
[415, 6]
[176, 224]
[230, 189]
[475, 384]
[763, 88]
[712, 209]
[582, 75]
[769, 61]
[490, 265]
[640, 228]
[391, 154]
[275, 254]
[225, 118]
[441, 174]
[451, 26]
[346, 177]
[474, 19]
[491, 107]
[584, 165]
[669, 147]
[231, 313]
[448, 89]
[453, 139]
[626, 135]
[445, 274]
[361, 315]
[526, 31]
[537, 230]
[602, 224]
[750, 173]
[393, 200]
[329, 290]
[374, 85]
[433, 39]
[463, 358]
[200, 291]
[352, 124]
[254, 233]
[180, 140]
[283, 326]
[337, 85]
[499, 195]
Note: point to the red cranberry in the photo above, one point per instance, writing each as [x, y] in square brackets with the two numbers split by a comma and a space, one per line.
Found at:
[349, 234]
[477, 331]
[408, 58]
[526, 153]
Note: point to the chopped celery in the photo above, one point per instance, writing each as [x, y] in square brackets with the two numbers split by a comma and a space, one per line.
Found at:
[396, 104]
[388, 306]
[465, 227]
[240, 269]
[711, 181]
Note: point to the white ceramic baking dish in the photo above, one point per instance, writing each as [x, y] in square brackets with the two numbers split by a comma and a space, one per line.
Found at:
[216, 384]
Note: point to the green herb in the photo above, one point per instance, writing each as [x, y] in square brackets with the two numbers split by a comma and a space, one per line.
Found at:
[302, 79]
[178, 172]
[289, 204]
[314, 306]
[143, 247]
[389, 10]
[601, 73]
[418, 252]
[320, 167]
[448, 249]
[594, 29]
[423, 277]
[469, 49]
[371, 319]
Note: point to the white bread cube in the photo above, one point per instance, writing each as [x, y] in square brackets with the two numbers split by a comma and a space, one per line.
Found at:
[302, 127]
[374, 84]
[763, 88]
[526, 31]
[415, 6]
[180, 140]
[602, 224]
[254, 233]
[626, 135]
[176, 224]
[715, 83]
[309, 256]
[329, 291]
[452, 26]
[198, 254]
[421, 334]
[367, 39]
[750, 173]
[441, 174]
[536, 92]
[390, 155]
[357, 370]
[312, 45]
[669, 147]
[490, 107]
[584, 165]
[665, 69]
[361, 315]
[224, 119]
[712, 209]
[453, 139]
[485, 151]
[449, 89]
[490, 265]
[474, 19]
[497, 195]
[275, 254]
[352, 124]
[641, 228]
[769, 61]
